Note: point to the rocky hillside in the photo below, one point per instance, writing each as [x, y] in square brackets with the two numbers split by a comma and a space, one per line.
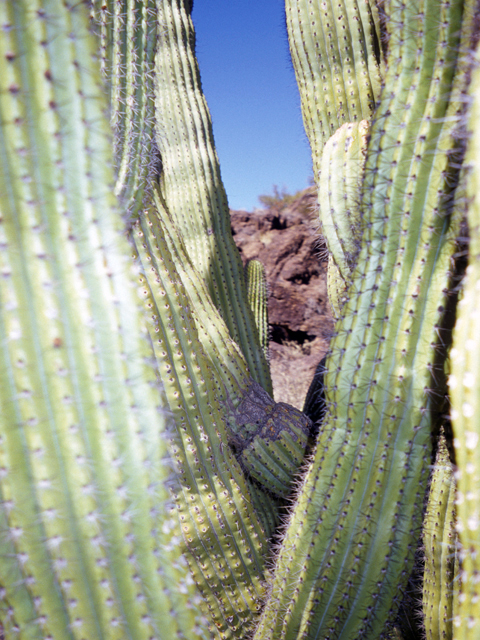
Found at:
[284, 237]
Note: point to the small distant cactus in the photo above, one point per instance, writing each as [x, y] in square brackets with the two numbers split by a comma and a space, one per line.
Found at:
[145, 471]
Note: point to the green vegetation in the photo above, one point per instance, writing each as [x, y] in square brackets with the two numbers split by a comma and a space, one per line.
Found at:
[145, 471]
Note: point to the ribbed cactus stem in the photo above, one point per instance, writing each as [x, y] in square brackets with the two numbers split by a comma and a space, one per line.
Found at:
[87, 548]
[127, 33]
[351, 539]
[464, 384]
[337, 59]
[439, 540]
[258, 299]
[341, 173]
[191, 183]
[222, 535]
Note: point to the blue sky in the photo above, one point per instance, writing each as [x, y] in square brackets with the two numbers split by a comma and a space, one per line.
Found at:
[250, 88]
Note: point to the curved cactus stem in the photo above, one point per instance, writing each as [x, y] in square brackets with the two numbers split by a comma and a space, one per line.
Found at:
[439, 539]
[342, 167]
[350, 543]
[258, 299]
[223, 537]
[191, 182]
[336, 288]
[222, 352]
[213, 333]
[337, 60]
[87, 546]
[127, 32]
[464, 384]
[269, 438]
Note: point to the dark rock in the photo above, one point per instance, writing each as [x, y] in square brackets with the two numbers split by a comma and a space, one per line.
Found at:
[285, 239]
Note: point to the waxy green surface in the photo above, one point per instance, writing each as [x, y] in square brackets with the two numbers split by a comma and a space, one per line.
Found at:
[338, 62]
[351, 539]
[464, 385]
[223, 536]
[341, 174]
[439, 540]
[258, 300]
[87, 549]
[191, 184]
[127, 32]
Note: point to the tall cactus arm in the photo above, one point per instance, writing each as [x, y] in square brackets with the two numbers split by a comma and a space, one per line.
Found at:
[86, 548]
[258, 299]
[191, 181]
[217, 343]
[464, 384]
[337, 60]
[224, 538]
[342, 167]
[439, 540]
[127, 33]
[351, 539]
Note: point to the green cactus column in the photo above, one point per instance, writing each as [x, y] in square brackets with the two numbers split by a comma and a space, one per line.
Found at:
[127, 31]
[191, 183]
[338, 62]
[339, 183]
[464, 386]
[222, 534]
[350, 543]
[88, 541]
[439, 539]
[258, 299]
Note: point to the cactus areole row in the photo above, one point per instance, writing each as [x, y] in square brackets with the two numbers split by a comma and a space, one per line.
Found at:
[150, 488]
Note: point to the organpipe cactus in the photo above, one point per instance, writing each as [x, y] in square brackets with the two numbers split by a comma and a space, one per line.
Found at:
[144, 468]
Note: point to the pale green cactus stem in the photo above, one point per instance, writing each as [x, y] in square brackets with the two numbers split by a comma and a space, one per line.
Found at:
[464, 384]
[224, 539]
[439, 540]
[338, 64]
[127, 32]
[341, 173]
[269, 438]
[222, 352]
[191, 183]
[350, 543]
[258, 300]
[87, 547]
